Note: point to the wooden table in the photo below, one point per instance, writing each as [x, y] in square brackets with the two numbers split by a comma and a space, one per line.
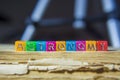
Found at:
[58, 65]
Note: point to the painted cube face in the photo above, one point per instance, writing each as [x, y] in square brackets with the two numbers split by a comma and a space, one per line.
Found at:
[102, 45]
[30, 46]
[80, 45]
[60, 46]
[41, 46]
[51, 45]
[70, 45]
[20, 45]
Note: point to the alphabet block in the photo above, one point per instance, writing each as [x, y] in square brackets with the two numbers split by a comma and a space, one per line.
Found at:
[51, 46]
[70, 45]
[20, 45]
[30, 46]
[41, 46]
[80, 45]
[60, 46]
[102, 45]
[91, 46]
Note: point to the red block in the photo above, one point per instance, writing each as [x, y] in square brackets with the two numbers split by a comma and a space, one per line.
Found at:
[102, 45]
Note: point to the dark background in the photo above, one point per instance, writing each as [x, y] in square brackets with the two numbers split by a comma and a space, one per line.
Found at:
[15, 13]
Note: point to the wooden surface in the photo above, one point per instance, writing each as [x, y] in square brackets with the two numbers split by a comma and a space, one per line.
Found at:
[65, 65]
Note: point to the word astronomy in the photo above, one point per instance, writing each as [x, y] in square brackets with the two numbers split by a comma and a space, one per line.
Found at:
[61, 45]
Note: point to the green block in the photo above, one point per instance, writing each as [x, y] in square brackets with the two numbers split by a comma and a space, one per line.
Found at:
[30, 46]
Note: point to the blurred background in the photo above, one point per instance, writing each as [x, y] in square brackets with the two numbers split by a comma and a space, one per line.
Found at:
[59, 20]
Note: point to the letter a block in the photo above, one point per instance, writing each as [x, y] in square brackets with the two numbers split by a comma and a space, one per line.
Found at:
[20, 45]
[60, 46]
[70, 45]
[41, 46]
[80, 45]
[91, 46]
[51, 46]
[30, 46]
[102, 45]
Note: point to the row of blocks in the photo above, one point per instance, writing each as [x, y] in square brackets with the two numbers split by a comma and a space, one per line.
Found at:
[61, 45]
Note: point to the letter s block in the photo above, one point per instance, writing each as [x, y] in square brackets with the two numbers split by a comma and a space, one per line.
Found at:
[30, 46]
[60, 46]
[20, 45]
[51, 46]
[91, 46]
[80, 45]
[102, 45]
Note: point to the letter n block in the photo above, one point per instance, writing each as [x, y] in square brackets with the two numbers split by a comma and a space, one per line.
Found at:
[80, 45]
[20, 45]
[51, 46]
[91, 46]
[102, 45]
[30, 46]
[41, 46]
[60, 46]
[70, 45]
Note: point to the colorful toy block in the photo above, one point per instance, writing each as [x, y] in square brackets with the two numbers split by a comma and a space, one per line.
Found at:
[60, 46]
[51, 46]
[41, 46]
[30, 46]
[20, 45]
[102, 45]
[91, 46]
[70, 46]
[80, 45]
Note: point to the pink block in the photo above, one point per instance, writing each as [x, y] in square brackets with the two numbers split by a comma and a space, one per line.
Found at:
[51, 45]
[80, 45]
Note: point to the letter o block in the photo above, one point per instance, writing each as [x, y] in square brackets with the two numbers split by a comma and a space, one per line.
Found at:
[80, 45]
[60, 46]
[20, 45]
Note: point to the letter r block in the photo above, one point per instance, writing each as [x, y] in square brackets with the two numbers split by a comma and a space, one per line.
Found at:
[70, 45]
[80, 45]
[51, 46]
[91, 46]
[60, 46]
[41, 46]
[20, 45]
[102, 45]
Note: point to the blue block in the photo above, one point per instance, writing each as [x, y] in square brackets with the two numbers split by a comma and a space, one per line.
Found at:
[41, 45]
[70, 46]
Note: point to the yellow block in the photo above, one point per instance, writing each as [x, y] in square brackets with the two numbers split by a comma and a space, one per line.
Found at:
[20, 45]
[60, 46]
[91, 46]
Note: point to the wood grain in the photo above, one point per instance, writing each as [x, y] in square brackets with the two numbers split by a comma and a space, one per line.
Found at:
[9, 56]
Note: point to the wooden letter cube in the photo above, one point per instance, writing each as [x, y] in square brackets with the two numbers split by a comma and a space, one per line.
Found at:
[41, 46]
[20, 45]
[102, 45]
[51, 46]
[60, 46]
[70, 45]
[91, 46]
[30, 46]
[80, 45]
